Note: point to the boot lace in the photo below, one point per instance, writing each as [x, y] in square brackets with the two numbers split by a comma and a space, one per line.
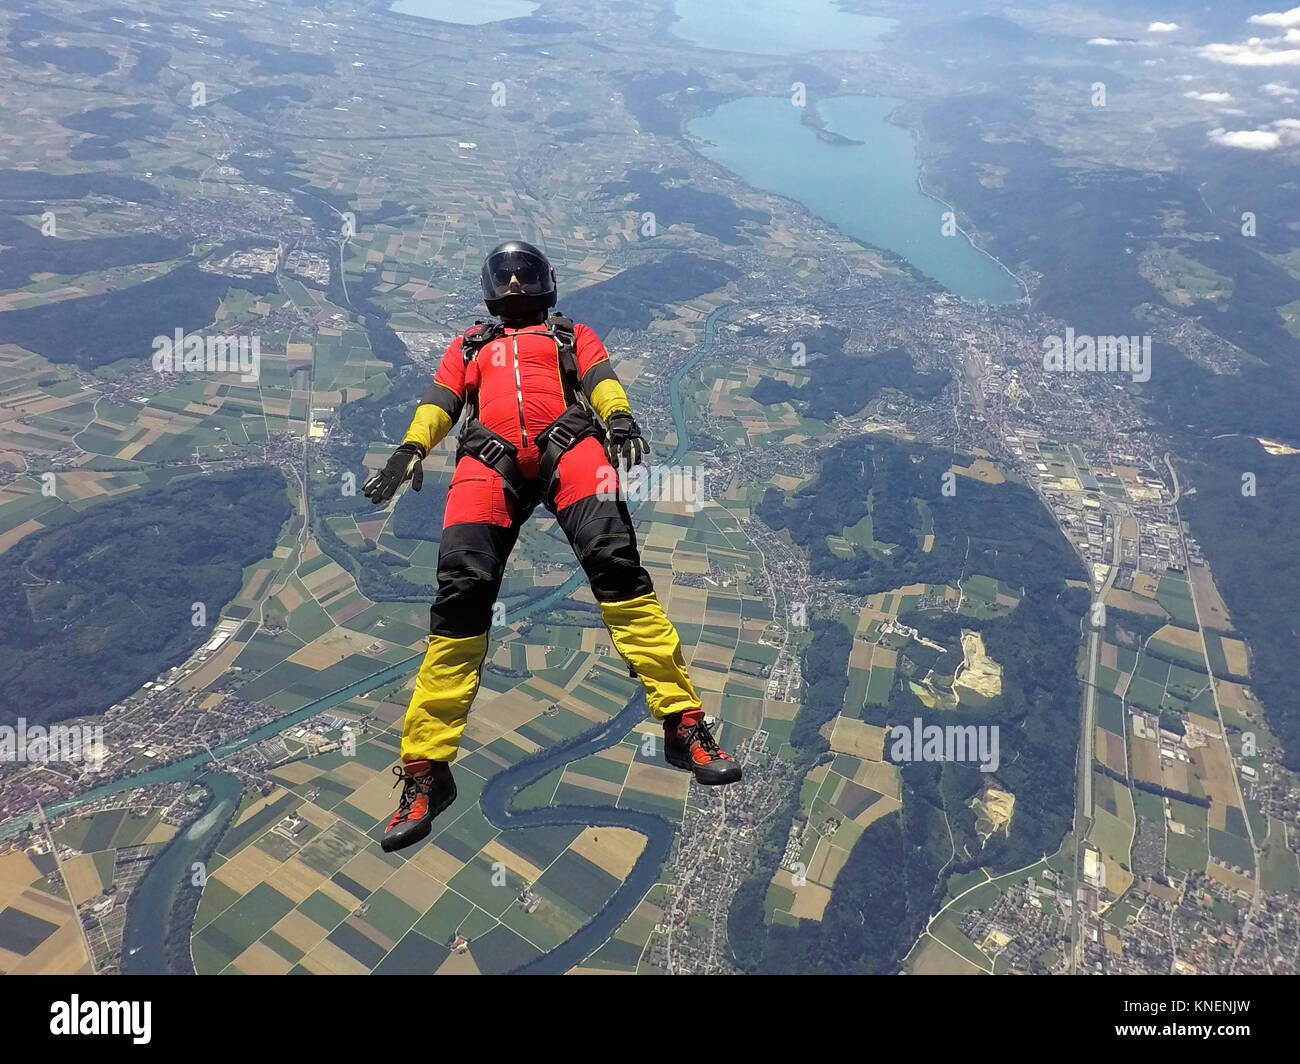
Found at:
[411, 787]
[699, 733]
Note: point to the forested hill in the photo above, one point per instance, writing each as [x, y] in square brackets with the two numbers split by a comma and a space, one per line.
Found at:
[897, 869]
[93, 608]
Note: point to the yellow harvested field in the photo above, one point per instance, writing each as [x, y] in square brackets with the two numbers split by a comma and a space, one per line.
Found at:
[613, 850]
[1232, 880]
[658, 779]
[375, 796]
[860, 655]
[160, 833]
[858, 738]
[328, 959]
[1238, 658]
[827, 861]
[880, 776]
[330, 649]
[368, 870]
[82, 878]
[249, 867]
[1214, 767]
[1146, 760]
[810, 901]
[1186, 638]
[981, 469]
[1237, 697]
[257, 806]
[1209, 603]
[1145, 584]
[316, 816]
[8, 539]
[296, 772]
[295, 880]
[296, 928]
[262, 960]
[437, 863]
[355, 774]
[780, 710]
[1127, 600]
[494, 851]
[412, 886]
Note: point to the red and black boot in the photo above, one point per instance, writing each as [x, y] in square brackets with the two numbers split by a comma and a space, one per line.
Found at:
[689, 744]
[427, 789]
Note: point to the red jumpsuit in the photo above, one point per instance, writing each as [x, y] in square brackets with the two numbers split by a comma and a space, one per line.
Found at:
[520, 391]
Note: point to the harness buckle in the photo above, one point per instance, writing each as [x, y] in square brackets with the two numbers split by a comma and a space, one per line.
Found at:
[563, 436]
[491, 451]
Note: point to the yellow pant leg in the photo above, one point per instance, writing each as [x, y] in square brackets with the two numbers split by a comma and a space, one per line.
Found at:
[646, 638]
[444, 690]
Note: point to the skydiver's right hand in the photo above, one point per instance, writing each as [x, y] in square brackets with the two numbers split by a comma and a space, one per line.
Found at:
[404, 465]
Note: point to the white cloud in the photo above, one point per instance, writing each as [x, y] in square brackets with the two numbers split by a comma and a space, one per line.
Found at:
[1209, 97]
[1278, 18]
[1162, 27]
[1285, 131]
[1105, 41]
[1278, 88]
[1254, 53]
[1251, 139]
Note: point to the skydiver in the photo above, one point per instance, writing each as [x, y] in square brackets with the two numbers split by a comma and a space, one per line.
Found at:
[546, 421]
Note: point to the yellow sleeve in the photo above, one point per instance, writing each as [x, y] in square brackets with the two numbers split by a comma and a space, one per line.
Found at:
[608, 398]
[430, 425]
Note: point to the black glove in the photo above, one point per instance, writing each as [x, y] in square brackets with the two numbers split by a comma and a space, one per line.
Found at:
[624, 444]
[404, 465]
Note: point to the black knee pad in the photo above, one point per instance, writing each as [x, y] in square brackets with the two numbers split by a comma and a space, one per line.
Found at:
[471, 560]
[602, 536]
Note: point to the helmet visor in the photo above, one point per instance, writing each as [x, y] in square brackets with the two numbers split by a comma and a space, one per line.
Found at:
[533, 275]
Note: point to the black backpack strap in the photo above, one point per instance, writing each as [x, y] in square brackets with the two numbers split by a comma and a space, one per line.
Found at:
[476, 336]
[496, 452]
[562, 329]
[576, 423]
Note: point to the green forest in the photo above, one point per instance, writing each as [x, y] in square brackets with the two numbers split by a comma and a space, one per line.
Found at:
[110, 593]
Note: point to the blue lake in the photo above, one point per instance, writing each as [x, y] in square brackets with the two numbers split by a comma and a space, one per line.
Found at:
[776, 27]
[465, 12]
[867, 190]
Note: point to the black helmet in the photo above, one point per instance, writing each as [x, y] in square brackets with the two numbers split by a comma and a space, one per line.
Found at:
[530, 268]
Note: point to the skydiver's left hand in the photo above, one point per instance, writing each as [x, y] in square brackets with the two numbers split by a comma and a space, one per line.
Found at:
[624, 445]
